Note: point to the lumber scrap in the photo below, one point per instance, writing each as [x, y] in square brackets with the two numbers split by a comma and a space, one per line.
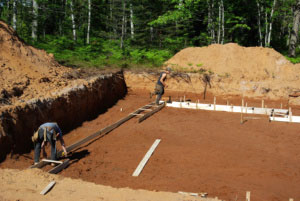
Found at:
[60, 167]
[151, 113]
[52, 161]
[39, 165]
[140, 167]
[106, 129]
[48, 188]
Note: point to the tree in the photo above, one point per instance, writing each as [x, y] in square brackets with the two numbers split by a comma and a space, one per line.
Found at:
[295, 30]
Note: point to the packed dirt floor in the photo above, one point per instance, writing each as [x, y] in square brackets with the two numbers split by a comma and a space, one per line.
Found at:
[200, 151]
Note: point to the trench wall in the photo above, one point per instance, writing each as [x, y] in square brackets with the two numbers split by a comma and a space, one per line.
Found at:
[69, 108]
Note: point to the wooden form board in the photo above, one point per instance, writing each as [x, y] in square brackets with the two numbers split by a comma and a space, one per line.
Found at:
[140, 167]
[151, 112]
[226, 108]
[292, 119]
[60, 167]
[47, 188]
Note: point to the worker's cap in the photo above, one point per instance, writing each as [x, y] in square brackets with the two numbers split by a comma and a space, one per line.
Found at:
[169, 69]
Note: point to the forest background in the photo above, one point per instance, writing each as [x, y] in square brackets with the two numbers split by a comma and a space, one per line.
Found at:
[145, 33]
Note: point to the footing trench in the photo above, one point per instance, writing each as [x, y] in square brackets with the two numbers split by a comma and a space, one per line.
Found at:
[69, 108]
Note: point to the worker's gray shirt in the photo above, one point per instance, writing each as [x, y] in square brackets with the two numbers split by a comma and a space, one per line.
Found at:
[53, 126]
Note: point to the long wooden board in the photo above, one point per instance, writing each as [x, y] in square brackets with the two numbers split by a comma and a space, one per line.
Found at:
[140, 167]
[60, 167]
[151, 113]
[106, 129]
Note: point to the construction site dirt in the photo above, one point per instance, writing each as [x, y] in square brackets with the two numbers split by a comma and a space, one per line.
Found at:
[200, 151]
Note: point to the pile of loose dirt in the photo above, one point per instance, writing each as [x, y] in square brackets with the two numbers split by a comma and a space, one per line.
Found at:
[27, 185]
[249, 71]
[26, 72]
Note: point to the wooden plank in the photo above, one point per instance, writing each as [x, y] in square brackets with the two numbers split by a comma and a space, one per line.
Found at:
[151, 113]
[39, 165]
[48, 188]
[60, 167]
[104, 130]
[52, 161]
[140, 167]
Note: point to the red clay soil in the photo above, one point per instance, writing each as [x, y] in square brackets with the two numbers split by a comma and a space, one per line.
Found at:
[200, 151]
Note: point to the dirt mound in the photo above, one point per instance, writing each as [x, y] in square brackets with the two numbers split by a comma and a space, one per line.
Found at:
[251, 71]
[26, 72]
[27, 185]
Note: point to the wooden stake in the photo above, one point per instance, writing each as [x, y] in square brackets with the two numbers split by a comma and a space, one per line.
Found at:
[227, 102]
[290, 114]
[180, 104]
[266, 110]
[215, 103]
[246, 107]
[248, 196]
[280, 105]
[242, 108]
[197, 104]
[184, 98]
[262, 103]
[231, 108]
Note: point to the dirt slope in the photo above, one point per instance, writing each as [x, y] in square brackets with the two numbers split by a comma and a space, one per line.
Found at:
[26, 72]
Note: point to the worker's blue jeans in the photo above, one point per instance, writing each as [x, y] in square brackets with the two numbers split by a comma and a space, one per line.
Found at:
[38, 144]
[159, 91]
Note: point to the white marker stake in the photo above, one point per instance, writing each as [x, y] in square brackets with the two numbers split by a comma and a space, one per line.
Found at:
[140, 167]
[215, 100]
[248, 196]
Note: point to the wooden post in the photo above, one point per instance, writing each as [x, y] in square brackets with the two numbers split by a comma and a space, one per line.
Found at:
[197, 104]
[248, 196]
[231, 108]
[227, 102]
[246, 107]
[290, 114]
[262, 103]
[184, 98]
[280, 105]
[180, 104]
[215, 103]
[266, 110]
[242, 108]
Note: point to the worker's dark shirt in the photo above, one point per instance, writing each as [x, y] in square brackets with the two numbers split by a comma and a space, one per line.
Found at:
[158, 81]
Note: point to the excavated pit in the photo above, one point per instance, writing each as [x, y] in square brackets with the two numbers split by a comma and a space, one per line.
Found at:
[68, 107]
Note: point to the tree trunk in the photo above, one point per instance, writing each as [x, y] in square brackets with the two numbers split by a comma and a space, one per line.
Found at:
[271, 23]
[266, 32]
[73, 20]
[295, 30]
[258, 23]
[223, 28]
[123, 27]
[131, 22]
[219, 24]
[14, 20]
[213, 24]
[89, 23]
[34, 21]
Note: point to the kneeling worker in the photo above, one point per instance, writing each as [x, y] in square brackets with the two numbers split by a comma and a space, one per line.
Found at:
[161, 84]
[47, 132]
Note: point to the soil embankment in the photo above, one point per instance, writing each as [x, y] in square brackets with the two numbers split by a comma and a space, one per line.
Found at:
[34, 89]
[231, 70]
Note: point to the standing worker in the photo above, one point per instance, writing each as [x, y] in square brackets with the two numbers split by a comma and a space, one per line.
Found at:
[161, 84]
[47, 132]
